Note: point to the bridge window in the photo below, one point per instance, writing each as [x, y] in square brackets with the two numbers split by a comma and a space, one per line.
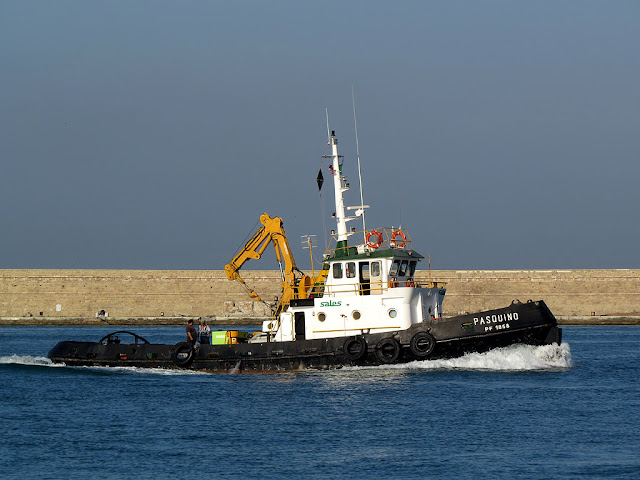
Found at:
[412, 268]
[351, 269]
[375, 269]
[394, 268]
[337, 270]
[403, 268]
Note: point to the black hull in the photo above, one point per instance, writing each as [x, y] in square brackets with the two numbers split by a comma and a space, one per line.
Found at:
[530, 323]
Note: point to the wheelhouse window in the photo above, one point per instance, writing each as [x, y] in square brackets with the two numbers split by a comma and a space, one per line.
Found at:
[375, 269]
[412, 268]
[403, 268]
[351, 269]
[337, 270]
[394, 268]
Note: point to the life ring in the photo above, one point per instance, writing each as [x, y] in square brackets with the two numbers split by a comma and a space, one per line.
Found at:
[422, 344]
[182, 354]
[355, 348]
[398, 233]
[378, 240]
[388, 350]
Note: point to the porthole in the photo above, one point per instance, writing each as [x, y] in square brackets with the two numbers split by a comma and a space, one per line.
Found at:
[322, 317]
[393, 313]
[356, 315]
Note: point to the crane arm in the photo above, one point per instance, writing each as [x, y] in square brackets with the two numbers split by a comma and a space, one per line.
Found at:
[252, 250]
[271, 231]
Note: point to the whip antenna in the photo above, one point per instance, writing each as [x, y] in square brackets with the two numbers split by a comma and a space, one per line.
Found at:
[326, 111]
[355, 121]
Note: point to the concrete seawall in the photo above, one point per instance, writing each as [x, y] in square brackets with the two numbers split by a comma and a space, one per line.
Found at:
[43, 296]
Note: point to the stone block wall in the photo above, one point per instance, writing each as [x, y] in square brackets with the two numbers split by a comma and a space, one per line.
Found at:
[128, 293]
[194, 293]
[568, 293]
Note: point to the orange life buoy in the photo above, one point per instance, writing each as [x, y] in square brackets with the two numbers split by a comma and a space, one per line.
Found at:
[377, 242]
[400, 234]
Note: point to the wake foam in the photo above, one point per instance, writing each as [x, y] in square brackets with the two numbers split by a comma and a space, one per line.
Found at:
[514, 358]
[33, 361]
[28, 360]
[146, 371]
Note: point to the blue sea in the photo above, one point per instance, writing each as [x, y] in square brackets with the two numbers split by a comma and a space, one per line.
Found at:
[552, 412]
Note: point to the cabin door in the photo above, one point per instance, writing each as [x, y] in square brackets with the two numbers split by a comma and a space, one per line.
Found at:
[299, 321]
[376, 278]
[365, 278]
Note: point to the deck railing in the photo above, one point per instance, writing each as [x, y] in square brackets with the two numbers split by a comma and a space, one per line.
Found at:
[378, 238]
[371, 288]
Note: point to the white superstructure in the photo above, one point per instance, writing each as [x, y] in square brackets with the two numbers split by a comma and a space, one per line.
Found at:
[368, 288]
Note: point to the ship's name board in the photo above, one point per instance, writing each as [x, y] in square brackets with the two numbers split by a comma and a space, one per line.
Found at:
[489, 319]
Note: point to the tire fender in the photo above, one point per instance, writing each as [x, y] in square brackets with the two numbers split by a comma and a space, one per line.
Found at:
[422, 344]
[388, 350]
[355, 348]
[182, 354]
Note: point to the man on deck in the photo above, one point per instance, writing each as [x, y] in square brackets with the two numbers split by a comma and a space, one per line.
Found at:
[192, 335]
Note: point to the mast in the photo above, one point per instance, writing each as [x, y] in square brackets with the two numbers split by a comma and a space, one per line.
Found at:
[339, 186]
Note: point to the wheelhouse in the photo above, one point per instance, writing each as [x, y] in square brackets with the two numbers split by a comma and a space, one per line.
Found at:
[364, 290]
[369, 275]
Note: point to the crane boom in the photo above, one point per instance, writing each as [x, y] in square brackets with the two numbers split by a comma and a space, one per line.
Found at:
[295, 284]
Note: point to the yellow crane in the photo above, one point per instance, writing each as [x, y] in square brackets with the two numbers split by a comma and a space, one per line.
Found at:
[295, 284]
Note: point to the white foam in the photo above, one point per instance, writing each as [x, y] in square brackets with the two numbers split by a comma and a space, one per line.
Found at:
[46, 362]
[515, 358]
[29, 360]
[150, 371]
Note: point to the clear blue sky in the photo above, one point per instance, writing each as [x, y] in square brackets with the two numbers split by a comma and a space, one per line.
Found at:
[152, 134]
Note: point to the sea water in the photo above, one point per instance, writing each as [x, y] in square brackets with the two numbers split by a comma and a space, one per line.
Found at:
[522, 412]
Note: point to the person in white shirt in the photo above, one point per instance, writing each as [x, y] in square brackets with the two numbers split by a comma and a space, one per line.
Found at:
[204, 332]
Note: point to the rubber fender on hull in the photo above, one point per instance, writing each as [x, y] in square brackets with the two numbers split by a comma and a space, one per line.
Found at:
[182, 354]
[422, 344]
[355, 348]
[388, 350]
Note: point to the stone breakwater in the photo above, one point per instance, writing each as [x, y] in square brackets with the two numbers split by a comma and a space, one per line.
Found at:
[57, 297]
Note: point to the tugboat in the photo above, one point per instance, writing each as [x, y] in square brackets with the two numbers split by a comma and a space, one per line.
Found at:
[365, 307]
